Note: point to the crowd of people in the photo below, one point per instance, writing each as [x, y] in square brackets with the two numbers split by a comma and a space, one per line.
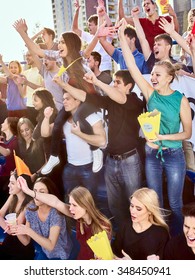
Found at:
[71, 119]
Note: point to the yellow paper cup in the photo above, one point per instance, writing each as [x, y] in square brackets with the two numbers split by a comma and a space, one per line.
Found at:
[100, 245]
[162, 5]
[150, 123]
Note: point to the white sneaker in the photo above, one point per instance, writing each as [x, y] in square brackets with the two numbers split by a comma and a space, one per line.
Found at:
[52, 162]
[97, 160]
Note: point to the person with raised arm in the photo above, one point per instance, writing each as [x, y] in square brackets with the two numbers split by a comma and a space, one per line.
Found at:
[123, 166]
[73, 69]
[93, 22]
[150, 23]
[164, 153]
[15, 101]
[82, 208]
[44, 224]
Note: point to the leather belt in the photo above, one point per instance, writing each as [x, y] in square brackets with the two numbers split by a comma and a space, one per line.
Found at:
[124, 156]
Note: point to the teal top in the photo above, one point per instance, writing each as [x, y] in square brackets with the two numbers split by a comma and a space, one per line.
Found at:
[169, 106]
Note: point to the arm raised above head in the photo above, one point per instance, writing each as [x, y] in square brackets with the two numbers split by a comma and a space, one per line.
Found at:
[21, 28]
[46, 198]
[144, 86]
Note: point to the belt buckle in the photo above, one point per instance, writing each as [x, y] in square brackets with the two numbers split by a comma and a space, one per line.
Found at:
[119, 157]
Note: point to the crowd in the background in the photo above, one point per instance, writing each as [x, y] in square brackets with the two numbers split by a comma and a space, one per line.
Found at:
[71, 115]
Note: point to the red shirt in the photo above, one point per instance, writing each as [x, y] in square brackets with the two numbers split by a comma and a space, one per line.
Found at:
[10, 162]
[85, 252]
[152, 29]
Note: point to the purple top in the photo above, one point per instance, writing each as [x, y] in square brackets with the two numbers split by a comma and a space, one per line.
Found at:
[14, 100]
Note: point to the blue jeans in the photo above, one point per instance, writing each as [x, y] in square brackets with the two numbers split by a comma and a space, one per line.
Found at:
[122, 178]
[174, 167]
[82, 175]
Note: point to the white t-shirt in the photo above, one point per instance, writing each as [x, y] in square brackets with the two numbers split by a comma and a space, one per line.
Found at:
[78, 150]
[106, 63]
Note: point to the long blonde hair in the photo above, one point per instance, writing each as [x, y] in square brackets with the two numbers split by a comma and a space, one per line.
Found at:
[150, 200]
[84, 199]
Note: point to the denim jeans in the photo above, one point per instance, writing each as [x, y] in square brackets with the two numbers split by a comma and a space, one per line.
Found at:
[174, 168]
[82, 175]
[122, 178]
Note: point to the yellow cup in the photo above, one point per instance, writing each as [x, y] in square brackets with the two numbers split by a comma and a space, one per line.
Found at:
[150, 123]
[162, 4]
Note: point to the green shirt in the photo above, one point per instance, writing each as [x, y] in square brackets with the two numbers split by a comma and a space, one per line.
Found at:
[169, 106]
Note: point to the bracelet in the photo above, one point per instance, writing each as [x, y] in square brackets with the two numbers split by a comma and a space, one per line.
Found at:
[35, 194]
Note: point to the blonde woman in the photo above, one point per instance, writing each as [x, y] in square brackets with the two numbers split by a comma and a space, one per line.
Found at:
[165, 153]
[89, 220]
[145, 233]
[15, 101]
[29, 150]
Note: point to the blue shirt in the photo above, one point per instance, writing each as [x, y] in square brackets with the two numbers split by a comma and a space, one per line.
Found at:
[63, 246]
[139, 60]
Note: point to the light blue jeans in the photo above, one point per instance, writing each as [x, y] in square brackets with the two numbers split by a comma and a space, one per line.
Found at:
[174, 168]
[122, 178]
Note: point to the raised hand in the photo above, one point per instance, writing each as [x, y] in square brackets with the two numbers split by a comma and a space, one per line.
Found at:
[76, 4]
[121, 28]
[22, 184]
[170, 10]
[90, 78]
[135, 11]
[48, 112]
[168, 27]
[100, 9]
[20, 25]
[104, 31]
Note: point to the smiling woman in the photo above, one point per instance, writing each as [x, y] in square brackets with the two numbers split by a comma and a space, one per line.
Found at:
[165, 153]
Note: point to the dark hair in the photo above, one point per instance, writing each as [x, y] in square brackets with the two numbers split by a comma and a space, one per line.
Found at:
[52, 188]
[96, 57]
[50, 32]
[153, 2]
[47, 100]
[188, 210]
[76, 71]
[13, 122]
[126, 77]
[27, 199]
[93, 18]
[130, 32]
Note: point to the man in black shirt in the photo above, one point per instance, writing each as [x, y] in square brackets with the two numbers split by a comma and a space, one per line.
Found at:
[123, 168]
